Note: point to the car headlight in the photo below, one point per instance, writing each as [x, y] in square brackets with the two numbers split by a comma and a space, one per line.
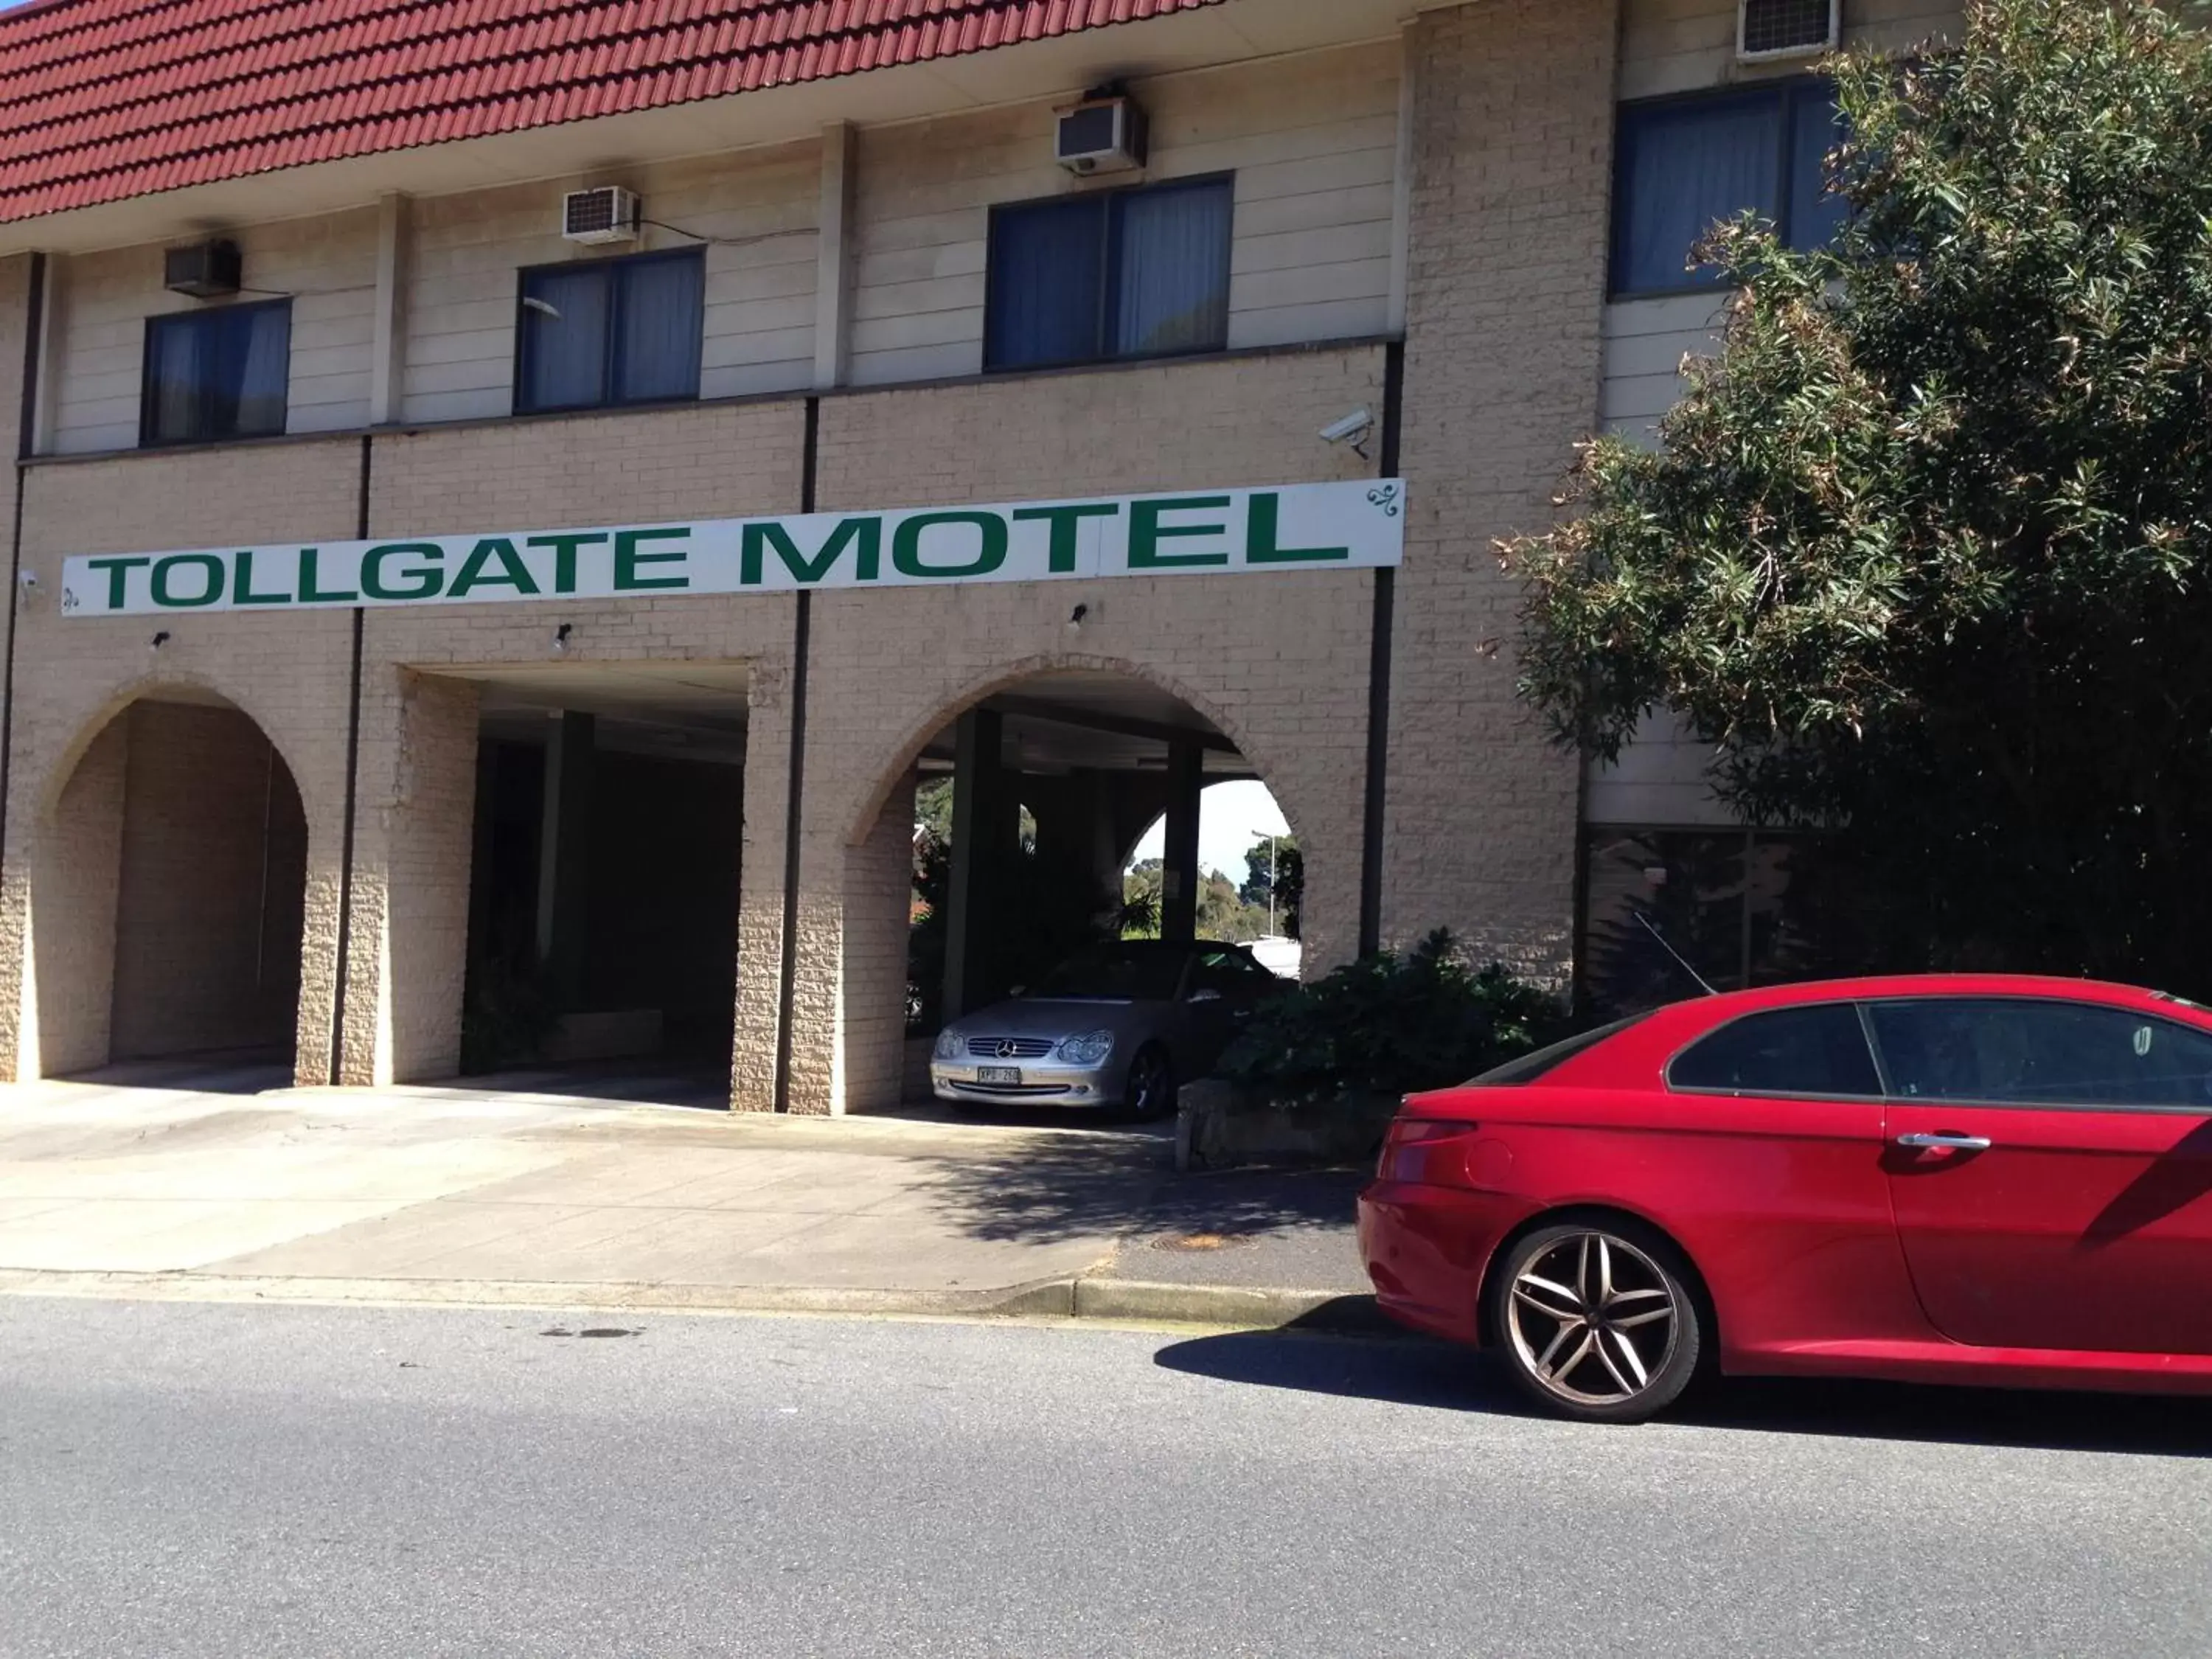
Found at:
[948, 1044]
[1086, 1050]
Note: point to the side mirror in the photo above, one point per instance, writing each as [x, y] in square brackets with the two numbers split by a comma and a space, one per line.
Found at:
[1206, 994]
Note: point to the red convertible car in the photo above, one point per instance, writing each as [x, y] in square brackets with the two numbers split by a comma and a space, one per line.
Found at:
[1984, 1179]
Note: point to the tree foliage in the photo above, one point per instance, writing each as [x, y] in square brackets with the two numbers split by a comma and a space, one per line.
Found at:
[1926, 552]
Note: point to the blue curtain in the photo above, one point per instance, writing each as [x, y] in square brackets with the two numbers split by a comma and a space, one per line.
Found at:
[1171, 289]
[659, 306]
[1682, 166]
[1816, 128]
[1047, 268]
[218, 373]
[564, 337]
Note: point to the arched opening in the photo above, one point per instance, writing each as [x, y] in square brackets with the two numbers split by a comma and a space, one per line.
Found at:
[1027, 809]
[1251, 872]
[169, 899]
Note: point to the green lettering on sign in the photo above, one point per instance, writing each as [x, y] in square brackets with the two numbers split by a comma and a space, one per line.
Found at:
[242, 590]
[1066, 522]
[310, 593]
[628, 558]
[116, 571]
[214, 579]
[564, 545]
[990, 551]
[1146, 532]
[868, 562]
[1263, 538]
[513, 572]
[424, 581]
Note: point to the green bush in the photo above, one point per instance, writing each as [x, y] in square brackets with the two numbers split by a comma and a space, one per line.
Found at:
[1388, 1025]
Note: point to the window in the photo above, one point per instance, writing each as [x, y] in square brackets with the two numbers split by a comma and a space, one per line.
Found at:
[2039, 1051]
[599, 332]
[1821, 1050]
[1543, 1061]
[218, 373]
[1127, 273]
[1684, 163]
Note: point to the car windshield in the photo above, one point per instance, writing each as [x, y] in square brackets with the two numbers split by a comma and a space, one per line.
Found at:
[1530, 1067]
[1117, 973]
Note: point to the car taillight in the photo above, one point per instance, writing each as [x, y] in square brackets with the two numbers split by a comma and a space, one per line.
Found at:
[1410, 1150]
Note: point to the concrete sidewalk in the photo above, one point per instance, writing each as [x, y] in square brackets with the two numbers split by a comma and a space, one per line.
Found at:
[124, 1185]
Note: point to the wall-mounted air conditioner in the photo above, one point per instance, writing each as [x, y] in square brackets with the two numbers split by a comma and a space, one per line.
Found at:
[1101, 134]
[1769, 29]
[206, 271]
[609, 213]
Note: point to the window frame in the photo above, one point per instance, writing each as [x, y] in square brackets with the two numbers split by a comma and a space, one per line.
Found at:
[1784, 90]
[610, 364]
[1866, 1034]
[1868, 1004]
[159, 321]
[1110, 280]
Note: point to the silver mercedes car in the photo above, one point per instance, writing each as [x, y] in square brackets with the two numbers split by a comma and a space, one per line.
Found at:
[1116, 1026]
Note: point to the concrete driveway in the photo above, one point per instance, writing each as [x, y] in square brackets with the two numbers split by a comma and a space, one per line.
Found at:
[490, 1193]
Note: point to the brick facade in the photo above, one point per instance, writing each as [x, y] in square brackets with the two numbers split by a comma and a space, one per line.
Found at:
[1510, 132]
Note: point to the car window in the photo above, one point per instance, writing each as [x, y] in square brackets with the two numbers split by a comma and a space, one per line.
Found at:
[1230, 972]
[2035, 1051]
[1530, 1067]
[1140, 972]
[1818, 1050]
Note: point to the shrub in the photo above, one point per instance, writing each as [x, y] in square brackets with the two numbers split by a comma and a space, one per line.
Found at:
[1391, 1025]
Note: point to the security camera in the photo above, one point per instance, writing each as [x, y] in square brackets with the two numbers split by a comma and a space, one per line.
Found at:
[27, 580]
[1353, 428]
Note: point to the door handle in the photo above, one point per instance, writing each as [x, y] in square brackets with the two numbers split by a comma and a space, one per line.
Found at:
[1946, 1143]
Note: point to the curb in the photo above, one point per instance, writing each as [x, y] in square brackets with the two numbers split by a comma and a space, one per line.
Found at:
[1217, 1307]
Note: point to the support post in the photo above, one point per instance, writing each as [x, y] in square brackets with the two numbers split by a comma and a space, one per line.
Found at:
[833, 276]
[387, 364]
[980, 803]
[1179, 867]
[564, 857]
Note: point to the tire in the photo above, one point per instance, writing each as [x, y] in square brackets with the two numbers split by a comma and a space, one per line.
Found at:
[1150, 1091]
[1641, 1351]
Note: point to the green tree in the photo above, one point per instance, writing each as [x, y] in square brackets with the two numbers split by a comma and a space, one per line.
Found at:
[1288, 878]
[1926, 552]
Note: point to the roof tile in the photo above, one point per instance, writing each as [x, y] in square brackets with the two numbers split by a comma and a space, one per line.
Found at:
[104, 100]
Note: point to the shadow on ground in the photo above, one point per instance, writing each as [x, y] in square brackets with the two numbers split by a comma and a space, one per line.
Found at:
[228, 1071]
[1417, 1372]
[700, 1084]
[1063, 1190]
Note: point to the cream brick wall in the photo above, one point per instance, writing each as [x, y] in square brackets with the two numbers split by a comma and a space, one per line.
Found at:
[1277, 663]
[869, 1059]
[1512, 157]
[327, 264]
[722, 461]
[73, 675]
[71, 995]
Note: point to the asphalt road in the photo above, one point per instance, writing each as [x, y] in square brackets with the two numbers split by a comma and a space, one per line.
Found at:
[182, 1480]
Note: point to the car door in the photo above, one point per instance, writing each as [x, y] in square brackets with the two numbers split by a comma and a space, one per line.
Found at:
[2050, 1168]
[1218, 999]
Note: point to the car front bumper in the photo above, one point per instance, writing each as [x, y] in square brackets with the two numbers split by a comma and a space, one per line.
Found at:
[1044, 1083]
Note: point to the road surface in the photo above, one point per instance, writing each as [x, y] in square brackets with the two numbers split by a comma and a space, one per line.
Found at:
[264, 1480]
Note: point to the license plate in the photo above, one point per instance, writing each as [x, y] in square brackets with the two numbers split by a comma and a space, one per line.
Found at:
[1009, 1075]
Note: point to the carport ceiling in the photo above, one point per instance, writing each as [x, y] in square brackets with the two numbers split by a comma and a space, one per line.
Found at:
[693, 711]
[1057, 723]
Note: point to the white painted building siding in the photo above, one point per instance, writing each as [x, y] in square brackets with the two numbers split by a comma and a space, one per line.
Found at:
[1312, 141]
[758, 328]
[327, 265]
[1673, 46]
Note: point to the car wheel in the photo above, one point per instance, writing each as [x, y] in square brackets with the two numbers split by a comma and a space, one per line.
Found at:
[1151, 1090]
[1595, 1320]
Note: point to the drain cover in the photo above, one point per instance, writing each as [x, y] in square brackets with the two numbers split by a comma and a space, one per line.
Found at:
[1198, 1241]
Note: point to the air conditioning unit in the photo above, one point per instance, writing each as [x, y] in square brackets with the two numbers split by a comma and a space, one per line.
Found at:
[1769, 29]
[1101, 134]
[206, 271]
[609, 213]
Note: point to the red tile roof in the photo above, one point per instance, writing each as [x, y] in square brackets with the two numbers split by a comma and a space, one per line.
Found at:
[102, 99]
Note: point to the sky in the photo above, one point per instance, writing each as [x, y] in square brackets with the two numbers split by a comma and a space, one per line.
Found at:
[1230, 817]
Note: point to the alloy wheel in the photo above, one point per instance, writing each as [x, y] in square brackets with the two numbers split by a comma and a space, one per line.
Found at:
[1148, 1084]
[1593, 1320]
